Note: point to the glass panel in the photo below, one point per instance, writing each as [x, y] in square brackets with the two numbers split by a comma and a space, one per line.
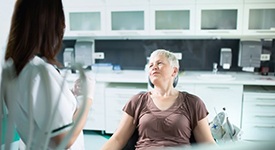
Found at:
[261, 18]
[218, 19]
[85, 21]
[128, 20]
[172, 19]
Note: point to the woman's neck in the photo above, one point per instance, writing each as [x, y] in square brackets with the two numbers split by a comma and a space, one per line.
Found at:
[168, 91]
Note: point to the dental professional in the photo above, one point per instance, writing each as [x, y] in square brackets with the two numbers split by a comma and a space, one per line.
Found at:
[35, 39]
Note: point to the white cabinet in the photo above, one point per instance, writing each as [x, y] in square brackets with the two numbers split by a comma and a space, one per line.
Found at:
[126, 20]
[258, 120]
[260, 19]
[218, 19]
[85, 21]
[259, 1]
[219, 1]
[96, 117]
[85, 3]
[219, 96]
[178, 18]
[126, 2]
[187, 87]
[116, 96]
[172, 20]
[174, 2]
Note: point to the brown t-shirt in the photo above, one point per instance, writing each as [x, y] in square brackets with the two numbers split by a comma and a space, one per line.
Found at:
[161, 128]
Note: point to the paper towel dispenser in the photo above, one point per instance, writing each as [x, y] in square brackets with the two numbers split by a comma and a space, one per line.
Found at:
[250, 54]
[83, 53]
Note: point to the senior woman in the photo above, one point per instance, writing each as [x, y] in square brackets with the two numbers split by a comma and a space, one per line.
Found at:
[164, 116]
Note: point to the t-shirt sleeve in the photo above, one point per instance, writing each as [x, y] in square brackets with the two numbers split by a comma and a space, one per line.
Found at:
[54, 103]
[198, 110]
[132, 107]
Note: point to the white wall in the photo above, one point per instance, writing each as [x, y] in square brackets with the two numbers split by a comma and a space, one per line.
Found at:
[6, 10]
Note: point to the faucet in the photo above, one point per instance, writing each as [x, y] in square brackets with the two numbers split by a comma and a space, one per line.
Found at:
[215, 67]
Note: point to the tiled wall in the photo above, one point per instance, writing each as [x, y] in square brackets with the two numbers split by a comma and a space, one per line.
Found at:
[197, 54]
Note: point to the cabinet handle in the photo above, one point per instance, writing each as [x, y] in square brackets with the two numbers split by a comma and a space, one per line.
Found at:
[85, 34]
[264, 116]
[266, 105]
[172, 32]
[266, 31]
[218, 31]
[128, 33]
[268, 99]
[220, 88]
[264, 126]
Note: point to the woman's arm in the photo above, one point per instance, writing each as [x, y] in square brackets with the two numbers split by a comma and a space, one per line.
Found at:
[79, 127]
[123, 133]
[78, 90]
[202, 132]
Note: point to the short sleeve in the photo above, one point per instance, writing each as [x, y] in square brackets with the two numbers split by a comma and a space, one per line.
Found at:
[198, 110]
[54, 103]
[133, 106]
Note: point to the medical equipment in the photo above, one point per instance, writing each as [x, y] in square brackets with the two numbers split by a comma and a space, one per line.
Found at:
[223, 131]
[7, 75]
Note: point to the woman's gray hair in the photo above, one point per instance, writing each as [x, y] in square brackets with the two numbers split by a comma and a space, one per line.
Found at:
[174, 62]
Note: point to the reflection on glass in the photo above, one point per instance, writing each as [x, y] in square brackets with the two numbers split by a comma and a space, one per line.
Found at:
[128, 20]
[261, 19]
[172, 19]
[85, 21]
[219, 19]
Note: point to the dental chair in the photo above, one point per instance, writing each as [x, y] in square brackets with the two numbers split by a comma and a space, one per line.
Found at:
[130, 145]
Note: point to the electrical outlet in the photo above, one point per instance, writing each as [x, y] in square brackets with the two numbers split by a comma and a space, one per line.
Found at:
[99, 55]
[178, 55]
[265, 57]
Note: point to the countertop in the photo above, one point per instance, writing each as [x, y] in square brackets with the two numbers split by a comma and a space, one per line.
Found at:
[196, 77]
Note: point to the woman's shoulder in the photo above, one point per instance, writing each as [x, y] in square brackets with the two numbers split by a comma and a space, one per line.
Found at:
[140, 97]
[190, 98]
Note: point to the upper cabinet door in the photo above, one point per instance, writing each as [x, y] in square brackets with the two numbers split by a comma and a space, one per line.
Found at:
[127, 20]
[85, 3]
[260, 19]
[172, 2]
[219, 1]
[259, 1]
[83, 22]
[126, 2]
[172, 20]
[216, 19]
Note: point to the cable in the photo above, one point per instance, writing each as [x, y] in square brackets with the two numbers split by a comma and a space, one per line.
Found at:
[83, 78]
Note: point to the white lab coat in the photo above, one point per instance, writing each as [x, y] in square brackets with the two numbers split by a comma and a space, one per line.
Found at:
[46, 92]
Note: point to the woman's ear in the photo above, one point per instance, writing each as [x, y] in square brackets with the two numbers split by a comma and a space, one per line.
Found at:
[175, 71]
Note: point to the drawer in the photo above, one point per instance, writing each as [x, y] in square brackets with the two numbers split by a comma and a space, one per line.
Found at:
[260, 106]
[219, 88]
[117, 113]
[111, 124]
[97, 109]
[97, 123]
[259, 132]
[264, 97]
[258, 118]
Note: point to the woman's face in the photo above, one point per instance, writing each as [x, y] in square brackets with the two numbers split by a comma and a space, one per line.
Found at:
[160, 69]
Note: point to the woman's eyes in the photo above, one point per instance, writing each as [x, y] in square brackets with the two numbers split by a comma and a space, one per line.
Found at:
[158, 63]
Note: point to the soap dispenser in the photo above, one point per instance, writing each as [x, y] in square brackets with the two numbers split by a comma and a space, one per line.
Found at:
[225, 58]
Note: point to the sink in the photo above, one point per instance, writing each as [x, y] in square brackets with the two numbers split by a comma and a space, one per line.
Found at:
[219, 77]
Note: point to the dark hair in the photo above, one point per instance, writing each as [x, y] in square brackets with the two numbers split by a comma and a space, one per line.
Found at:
[37, 28]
